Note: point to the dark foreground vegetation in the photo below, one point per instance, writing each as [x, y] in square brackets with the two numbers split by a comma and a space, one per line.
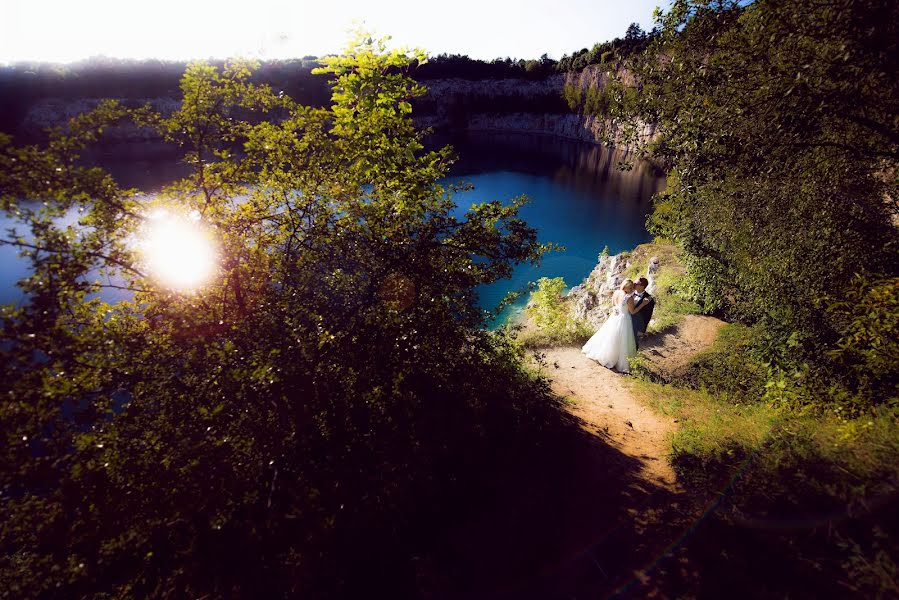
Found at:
[299, 423]
[779, 123]
[318, 419]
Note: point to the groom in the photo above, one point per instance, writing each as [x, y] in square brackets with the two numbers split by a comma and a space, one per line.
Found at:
[641, 319]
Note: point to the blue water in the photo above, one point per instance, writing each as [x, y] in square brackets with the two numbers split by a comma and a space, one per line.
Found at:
[578, 199]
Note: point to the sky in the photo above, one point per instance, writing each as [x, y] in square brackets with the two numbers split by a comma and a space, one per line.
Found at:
[70, 30]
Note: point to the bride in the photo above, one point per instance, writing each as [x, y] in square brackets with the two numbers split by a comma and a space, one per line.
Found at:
[614, 343]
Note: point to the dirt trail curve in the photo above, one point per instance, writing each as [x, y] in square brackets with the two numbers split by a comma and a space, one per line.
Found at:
[602, 400]
[595, 512]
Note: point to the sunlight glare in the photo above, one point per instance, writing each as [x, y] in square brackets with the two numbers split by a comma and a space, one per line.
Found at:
[65, 31]
[178, 251]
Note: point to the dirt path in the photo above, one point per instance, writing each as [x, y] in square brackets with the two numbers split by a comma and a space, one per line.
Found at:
[594, 510]
[670, 351]
[602, 400]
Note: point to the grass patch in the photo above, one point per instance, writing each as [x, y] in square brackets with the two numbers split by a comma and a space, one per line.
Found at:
[711, 432]
[534, 337]
[811, 495]
[729, 367]
[863, 448]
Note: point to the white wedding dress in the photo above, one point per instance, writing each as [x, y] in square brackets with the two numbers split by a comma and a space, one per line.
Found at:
[614, 343]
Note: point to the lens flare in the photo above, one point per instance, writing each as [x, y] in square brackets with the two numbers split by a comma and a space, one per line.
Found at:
[178, 250]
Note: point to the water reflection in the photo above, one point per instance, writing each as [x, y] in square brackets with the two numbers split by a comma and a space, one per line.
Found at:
[579, 199]
[569, 163]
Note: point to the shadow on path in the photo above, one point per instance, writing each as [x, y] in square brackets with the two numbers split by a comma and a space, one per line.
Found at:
[573, 518]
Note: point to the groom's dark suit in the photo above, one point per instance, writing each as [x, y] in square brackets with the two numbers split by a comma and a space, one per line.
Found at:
[640, 320]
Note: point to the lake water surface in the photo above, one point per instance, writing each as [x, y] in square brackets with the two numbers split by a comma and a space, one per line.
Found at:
[579, 199]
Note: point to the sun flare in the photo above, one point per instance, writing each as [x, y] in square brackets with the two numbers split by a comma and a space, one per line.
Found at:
[178, 250]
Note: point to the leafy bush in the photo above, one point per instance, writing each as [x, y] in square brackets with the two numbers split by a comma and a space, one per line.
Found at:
[546, 305]
[572, 95]
[552, 316]
[862, 367]
[670, 303]
[290, 425]
[597, 101]
[867, 320]
[782, 186]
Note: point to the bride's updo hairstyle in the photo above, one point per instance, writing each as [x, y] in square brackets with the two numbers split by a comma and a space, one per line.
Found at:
[626, 283]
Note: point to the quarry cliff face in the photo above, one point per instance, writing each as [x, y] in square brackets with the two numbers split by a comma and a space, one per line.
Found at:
[585, 128]
[596, 76]
[522, 88]
[454, 105]
[49, 112]
[523, 106]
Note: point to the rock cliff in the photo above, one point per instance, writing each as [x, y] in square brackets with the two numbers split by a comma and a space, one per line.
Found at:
[591, 301]
[585, 128]
[523, 106]
[513, 105]
[50, 112]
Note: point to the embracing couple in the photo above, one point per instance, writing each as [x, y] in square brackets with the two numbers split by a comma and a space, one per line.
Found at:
[616, 340]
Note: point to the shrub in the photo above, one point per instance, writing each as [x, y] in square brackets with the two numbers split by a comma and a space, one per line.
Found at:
[572, 95]
[294, 422]
[552, 316]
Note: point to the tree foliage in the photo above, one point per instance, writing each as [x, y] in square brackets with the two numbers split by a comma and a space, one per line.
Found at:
[261, 435]
[451, 66]
[779, 122]
[608, 53]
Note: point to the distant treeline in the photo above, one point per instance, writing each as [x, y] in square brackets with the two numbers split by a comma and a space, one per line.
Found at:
[23, 84]
[446, 66]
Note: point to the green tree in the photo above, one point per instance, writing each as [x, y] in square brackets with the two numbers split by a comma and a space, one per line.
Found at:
[553, 316]
[572, 95]
[546, 307]
[779, 122]
[262, 434]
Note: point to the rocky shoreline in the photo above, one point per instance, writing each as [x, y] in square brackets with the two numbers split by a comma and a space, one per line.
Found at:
[51, 112]
[591, 300]
[438, 110]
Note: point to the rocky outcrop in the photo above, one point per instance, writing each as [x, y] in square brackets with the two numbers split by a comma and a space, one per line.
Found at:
[50, 112]
[591, 301]
[486, 107]
[444, 89]
[597, 76]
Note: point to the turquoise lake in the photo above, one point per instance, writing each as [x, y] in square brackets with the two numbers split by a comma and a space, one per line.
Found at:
[578, 198]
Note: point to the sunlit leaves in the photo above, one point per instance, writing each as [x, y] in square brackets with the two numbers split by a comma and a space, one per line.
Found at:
[215, 439]
[781, 133]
